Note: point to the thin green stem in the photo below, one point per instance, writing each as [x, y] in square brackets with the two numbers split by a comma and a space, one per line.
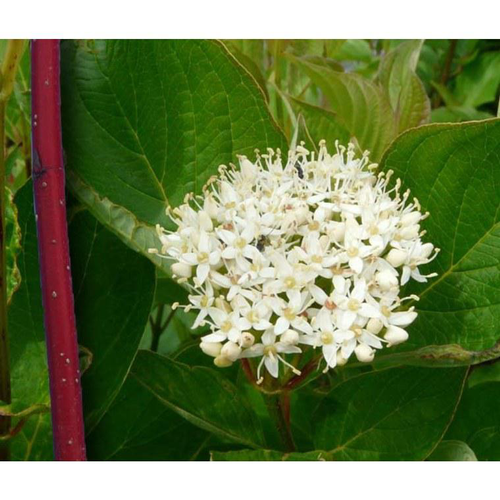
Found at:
[278, 407]
[7, 77]
[158, 326]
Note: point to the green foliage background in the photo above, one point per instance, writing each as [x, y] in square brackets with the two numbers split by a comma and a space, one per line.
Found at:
[144, 123]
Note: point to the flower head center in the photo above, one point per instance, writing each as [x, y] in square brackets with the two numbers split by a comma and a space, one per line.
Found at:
[313, 226]
[290, 282]
[226, 326]
[327, 338]
[270, 351]
[385, 311]
[289, 314]
[352, 252]
[203, 258]
[353, 305]
[241, 243]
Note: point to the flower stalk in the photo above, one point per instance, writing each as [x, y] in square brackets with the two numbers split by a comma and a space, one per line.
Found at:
[277, 404]
[53, 248]
[7, 76]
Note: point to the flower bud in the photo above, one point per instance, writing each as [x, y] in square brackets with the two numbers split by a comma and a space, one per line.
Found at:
[231, 350]
[396, 257]
[222, 362]
[426, 249]
[410, 219]
[395, 335]
[248, 169]
[341, 361]
[290, 337]
[374, 326]
[210, 207]
[211, 348]
[182, 270]
[386, 280]
[247, 340]
[205, 221]
[410, 232]
[364, 353]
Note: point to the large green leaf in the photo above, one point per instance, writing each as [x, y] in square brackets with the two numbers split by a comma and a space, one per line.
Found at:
[29, 375]
[266, 456]
[451, 450]
[477, 421]
[406, 92]
[138, 426]
[454, 171]
[147, 121]
[395, 414]
[203, 396]
[361, 106]
[114, 289]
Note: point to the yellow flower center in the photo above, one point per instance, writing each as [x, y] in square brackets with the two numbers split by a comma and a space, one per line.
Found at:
[353, 305]
[289, 314]
[290, 282]
[327, 338]
[352, 252]
[203, 258]
[226, 326]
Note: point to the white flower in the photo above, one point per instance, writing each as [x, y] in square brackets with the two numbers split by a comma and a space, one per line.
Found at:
[270, 351]
[206, 255]
[308, 249]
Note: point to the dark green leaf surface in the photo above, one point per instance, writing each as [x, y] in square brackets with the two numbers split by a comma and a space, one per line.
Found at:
[454, 171]
[267, 455]
[138, 426]
[203, 396]
[477, 421]
[394, 414]
[449, 450]
[30, 384]
[113, 288]
[147, 121]
[361, 105]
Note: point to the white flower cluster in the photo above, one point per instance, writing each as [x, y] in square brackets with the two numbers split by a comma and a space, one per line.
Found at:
[280, 256]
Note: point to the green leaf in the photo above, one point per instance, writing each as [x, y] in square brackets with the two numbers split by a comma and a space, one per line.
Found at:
[350, 50]
[477, 421]
[114, 289]
[488, 372]
[29, 375]
[137, 426]
[452, 451]
[203, 396]
[321, 124]
[406, 92]
[267, 455]
[147, 121]
[394, 414]
[13, 244]
[478, 83]
[361, 106]
[454, 172]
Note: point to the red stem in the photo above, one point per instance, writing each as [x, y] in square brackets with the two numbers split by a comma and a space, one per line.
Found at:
[53, 250]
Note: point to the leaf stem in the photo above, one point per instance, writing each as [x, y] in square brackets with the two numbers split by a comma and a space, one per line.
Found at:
[7, 76]
[158, 326]
[278, 407]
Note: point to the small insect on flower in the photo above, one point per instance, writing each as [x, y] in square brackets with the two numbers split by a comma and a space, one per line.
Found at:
[278, 267]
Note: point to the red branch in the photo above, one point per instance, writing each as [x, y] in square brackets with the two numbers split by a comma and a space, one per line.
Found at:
[53, 250]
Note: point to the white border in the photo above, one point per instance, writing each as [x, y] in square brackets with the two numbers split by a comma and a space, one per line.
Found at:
[250, 19]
